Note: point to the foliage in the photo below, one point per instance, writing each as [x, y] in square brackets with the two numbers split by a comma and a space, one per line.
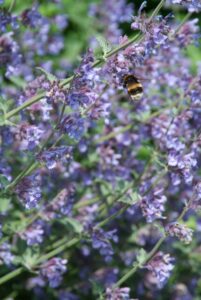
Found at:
[100, 194]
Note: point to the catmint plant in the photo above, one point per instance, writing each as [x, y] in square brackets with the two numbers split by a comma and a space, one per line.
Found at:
[100, 193]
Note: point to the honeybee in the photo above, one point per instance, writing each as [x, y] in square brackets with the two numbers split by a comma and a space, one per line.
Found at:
[133, 86]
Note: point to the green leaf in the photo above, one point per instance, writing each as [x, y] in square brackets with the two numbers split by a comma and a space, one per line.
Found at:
[121, 184]
[49, 76]
[4, 204]
[97, 288]
[141, 256]
[104, 44]
[3, 181]
[130, 198]
[29, 258]
[144, 153]
[76, 225]
[3, 108]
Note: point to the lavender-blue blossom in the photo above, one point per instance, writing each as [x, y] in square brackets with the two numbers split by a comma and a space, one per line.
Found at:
[52, 271]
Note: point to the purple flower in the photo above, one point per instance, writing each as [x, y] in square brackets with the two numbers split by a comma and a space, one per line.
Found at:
[160, 266]
[61, 21]
[195, 201]
[55, 93]
[182, 232]
[118, 293]
[31, 17]
[77, 99]
[33, 235]
[6, 257]
[101, 241]
[7, 19]
[27, 136]
[192, 5]
[106, 276]
[5, 171]
[152, 204]
[52, 271]
[74, 126]
[29, 191]
[65, 295]
[10, 56]
[54, 155]
[183, 165]
[112, 14]
[62, 204]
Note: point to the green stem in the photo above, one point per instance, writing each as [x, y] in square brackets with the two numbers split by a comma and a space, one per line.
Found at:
[156, 10]
[125, 45]
[45, 257]
[113, 216]
[86, 203]
[183, 22]
[12, 4]
[58, 250]
[135, 268]
[11, 275]
[26, 104]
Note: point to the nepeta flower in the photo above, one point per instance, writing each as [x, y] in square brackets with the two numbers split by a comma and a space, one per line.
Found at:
[83, 91]
[74, 126]
[6, 257]
[33, 235]
[195, 201]
[192, 5]
[5, 170]
[65, 295]
[183, 165]
[156, 31]
[10, 56]
[152, 204]
[108, 157]
[52, 271]
[106, 276]
[31, 17]
[101, 241]
[161, 267]
[55, 93]
[7, 19]
[29, 191]
[118, 294]
[51, 157]
[112, 13]
[27, 136]
[181, 231]
[189, 33]
[62, 204]
[32, 88]
[61, 21]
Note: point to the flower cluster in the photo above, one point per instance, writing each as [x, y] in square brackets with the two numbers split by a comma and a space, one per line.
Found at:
[192, 5]
[118, 294]
[180, 231]
[160, 266]
[29, 191]
[52, 271]
[54, 155]
[6, 257]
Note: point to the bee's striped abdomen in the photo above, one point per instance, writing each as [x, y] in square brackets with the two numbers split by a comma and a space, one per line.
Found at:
[133, 86]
